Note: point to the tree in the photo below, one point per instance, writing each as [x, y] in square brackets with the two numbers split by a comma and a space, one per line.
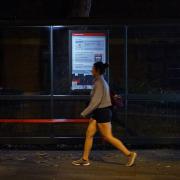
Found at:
[80, 8]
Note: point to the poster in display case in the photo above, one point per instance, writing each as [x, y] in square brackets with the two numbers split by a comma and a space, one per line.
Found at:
[86, 48]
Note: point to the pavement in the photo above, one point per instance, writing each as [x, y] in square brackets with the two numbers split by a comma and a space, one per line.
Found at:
[156, 164]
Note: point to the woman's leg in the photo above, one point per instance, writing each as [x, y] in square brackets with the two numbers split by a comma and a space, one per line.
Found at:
[91, 130]
[106, 131]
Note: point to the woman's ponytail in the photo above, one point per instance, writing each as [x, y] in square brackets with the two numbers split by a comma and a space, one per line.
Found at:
[101, 66]
[106, 65]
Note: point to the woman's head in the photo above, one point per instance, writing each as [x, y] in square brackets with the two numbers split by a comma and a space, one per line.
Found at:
[99, 68]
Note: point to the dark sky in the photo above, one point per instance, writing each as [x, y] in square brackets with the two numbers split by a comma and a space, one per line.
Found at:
[60, 9]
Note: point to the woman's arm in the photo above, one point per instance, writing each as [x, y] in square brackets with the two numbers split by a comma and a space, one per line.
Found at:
[95, 100]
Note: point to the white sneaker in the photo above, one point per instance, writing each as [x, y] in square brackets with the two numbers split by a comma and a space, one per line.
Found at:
[81, 162]
[131, 159]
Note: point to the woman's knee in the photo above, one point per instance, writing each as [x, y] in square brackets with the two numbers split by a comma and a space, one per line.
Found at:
[108, 137]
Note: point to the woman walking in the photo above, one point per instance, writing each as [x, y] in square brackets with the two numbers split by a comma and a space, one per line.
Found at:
[101, 114]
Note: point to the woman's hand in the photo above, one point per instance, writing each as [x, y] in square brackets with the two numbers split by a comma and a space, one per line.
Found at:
[82, 115]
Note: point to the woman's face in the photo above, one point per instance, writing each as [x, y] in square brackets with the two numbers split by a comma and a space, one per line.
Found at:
[94, 71]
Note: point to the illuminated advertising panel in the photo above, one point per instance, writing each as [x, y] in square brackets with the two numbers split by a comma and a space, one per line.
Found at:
[86, 49]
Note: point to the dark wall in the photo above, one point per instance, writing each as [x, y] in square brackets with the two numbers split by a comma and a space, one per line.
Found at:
[43, 9]
[132, 9]
[60, 9]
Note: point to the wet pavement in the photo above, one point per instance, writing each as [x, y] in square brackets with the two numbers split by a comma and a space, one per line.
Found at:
[162, 164]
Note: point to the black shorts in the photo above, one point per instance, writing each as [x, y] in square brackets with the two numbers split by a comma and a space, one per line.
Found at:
[102, 115]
